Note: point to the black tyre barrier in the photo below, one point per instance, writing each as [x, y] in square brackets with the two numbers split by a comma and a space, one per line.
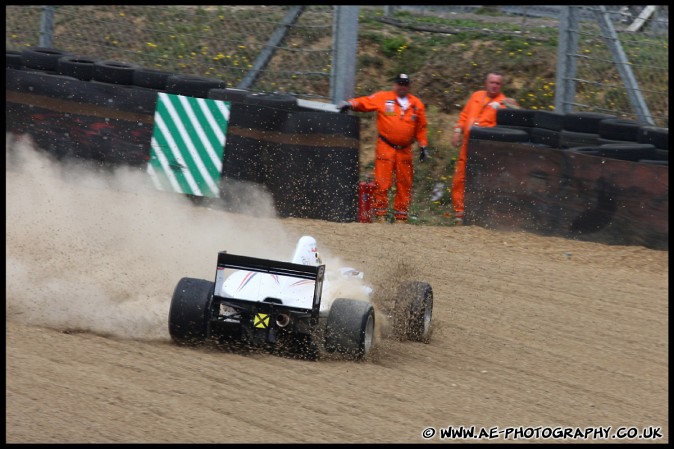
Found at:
[285, 102]
[572, 194]
[654, 135]
[584, 122]
[117, 98]
[251, 132]
[603, 141]
[323, 123]
[653, 161]
[628, 152]
[590, 151]
[69, 118]
[499, 134]
[151, 78]
[515, 117]
[193, 85]
[42, 58]
[314, 172]
[619, 129]
[38, 82]
[231, 95]
[13, 59]
[39, 72]
[526, 129]
[661, 155]
[544, 136]
[257, 118]
[114, 72]
[80, 67]
[49, 129]
[548, 120]
[539, 145]
[570, 139]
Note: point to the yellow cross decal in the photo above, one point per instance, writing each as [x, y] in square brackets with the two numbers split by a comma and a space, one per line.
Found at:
[261, 320]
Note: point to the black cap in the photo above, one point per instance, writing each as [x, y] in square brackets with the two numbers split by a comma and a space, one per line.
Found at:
[402, 78]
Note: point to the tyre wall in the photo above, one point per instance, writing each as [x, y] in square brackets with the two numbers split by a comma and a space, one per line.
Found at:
[71, 118]
[573, 194]
[103, 111]
[313, 171]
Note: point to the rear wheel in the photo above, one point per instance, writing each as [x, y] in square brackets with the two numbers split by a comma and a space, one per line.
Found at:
[189, 312]
[350, 328]
[414, 305]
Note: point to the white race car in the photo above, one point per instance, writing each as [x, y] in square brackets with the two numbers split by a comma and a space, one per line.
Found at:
[292, 306]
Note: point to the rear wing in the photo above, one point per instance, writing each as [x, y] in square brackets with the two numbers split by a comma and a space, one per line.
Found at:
[281, 268]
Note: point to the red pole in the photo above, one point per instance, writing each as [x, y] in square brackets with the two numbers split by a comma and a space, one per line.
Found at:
[365, 192]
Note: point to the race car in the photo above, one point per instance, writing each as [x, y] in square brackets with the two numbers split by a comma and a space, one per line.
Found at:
[292, 306]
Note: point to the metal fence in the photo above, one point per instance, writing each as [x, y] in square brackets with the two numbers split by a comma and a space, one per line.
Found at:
[622, 63]
[611, 59]
[265, 48]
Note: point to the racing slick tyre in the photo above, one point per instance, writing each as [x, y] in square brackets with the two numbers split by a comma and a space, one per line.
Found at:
[414, 305]
[350, 328]
[189, 312]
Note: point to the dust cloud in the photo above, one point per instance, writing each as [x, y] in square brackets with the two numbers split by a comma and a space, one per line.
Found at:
[101, 251]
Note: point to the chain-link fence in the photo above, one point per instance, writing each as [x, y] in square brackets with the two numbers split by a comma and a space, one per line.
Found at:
[291, 49]
[619, 63]
[273, 48]
[622, 64]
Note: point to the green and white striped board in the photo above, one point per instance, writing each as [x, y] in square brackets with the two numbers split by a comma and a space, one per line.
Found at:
[188, 144]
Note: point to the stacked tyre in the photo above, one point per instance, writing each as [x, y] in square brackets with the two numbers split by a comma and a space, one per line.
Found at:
[547, 128]
[314, 171]
[520, 119]
[581, 129]
[251, 136]
[659, 138]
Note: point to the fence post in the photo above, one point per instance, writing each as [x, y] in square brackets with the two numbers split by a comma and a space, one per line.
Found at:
[266, 54]
[47, 26]
[565, 87]
[623, 65]
[344, 49]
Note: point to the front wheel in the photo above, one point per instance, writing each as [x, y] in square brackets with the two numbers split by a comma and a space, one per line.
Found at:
[350, 328]
[189, 312]
[414, 302]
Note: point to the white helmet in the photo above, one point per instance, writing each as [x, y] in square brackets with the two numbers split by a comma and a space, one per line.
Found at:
[306, 252]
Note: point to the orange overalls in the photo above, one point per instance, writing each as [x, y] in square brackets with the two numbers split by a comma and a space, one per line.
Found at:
[397, 129]
[479, 111]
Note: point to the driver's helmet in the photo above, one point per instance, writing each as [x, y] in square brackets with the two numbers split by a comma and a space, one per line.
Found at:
[306, 252]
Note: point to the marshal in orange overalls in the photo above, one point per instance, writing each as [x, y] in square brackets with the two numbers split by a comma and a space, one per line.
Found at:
[479, 111]
[398, 129]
